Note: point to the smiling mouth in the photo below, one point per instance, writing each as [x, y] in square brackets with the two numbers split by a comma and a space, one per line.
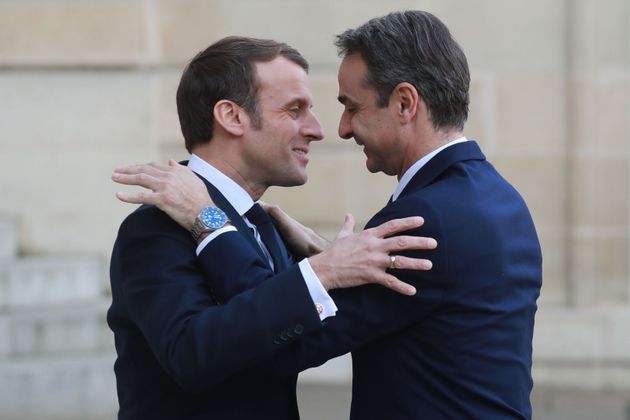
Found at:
[301, 151]
[301, 155]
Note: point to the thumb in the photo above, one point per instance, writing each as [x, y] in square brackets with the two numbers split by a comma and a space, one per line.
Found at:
[347, 228]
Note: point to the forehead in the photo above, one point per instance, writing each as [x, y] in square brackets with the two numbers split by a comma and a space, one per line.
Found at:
[352, 76]
[282, 79]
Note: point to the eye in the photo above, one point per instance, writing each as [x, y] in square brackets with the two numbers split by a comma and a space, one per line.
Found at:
[294, 110]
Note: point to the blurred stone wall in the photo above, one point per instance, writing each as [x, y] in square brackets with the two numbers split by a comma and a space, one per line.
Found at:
[87, 85]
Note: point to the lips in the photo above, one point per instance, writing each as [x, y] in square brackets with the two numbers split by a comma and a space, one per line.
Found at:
[303, 150]
[301, 153]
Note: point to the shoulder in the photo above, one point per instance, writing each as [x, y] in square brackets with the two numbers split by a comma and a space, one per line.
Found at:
[416, 204]
[150, 221]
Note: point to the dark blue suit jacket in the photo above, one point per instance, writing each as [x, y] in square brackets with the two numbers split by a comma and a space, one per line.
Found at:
[182, 355]
[462, 347]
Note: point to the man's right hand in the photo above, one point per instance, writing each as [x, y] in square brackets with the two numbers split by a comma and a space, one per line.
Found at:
[362, 258]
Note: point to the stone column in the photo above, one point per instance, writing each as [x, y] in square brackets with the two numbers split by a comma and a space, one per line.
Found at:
[599, 135]
[586, 342]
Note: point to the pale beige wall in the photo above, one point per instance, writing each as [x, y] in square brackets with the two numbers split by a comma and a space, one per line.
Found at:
[86, 85]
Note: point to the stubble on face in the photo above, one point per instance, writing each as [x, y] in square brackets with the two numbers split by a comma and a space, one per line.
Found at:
[370, 125]
[276, 152]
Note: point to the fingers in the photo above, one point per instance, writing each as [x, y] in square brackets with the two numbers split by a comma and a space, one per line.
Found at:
[402, 263]
[137, 198]
[148, 175]
[152, 168]
[277, 213]
[140, 179]
[407, 263]
[399, 243]
[266, 206]
[174, 163]
[397, 225]
[391, 282]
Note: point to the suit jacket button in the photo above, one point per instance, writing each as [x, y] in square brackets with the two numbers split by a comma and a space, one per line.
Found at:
[299, 329]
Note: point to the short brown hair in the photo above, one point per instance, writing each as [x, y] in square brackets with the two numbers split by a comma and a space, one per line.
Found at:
[224, 70]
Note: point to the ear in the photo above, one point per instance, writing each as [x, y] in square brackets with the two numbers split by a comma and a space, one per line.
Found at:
[230, 117]
[406, 100]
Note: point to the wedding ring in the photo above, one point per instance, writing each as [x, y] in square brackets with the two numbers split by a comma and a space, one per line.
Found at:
[392, 261]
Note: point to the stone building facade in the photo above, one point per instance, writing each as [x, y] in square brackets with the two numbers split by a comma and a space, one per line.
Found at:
[87, 85]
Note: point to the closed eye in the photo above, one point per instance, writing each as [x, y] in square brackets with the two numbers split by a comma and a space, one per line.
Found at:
[296, 108]
[349, 106]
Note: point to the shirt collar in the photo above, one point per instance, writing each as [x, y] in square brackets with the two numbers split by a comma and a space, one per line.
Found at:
[234, 193]
[413, 169]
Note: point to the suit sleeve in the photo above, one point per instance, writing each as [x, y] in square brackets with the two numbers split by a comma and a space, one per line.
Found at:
[365, 313]
[371, 312]
[196, 340]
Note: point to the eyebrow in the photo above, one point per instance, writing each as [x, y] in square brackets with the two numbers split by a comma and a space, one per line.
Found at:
[343, 99]
[300, 102]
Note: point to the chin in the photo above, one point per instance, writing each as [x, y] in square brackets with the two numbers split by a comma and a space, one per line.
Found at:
[293, 182]
[372, 168]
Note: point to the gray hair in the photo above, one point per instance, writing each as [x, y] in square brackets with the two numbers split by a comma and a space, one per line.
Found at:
[414, 47]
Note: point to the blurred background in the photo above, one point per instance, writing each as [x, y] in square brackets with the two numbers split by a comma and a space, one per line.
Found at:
[88, 85]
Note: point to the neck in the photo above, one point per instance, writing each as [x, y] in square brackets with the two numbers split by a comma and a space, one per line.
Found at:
[231, 166]
[421, 144]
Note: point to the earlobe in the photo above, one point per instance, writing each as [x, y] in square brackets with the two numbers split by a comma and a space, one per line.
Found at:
[230, 117]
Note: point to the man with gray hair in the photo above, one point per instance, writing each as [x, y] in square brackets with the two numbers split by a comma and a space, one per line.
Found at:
[462, 346]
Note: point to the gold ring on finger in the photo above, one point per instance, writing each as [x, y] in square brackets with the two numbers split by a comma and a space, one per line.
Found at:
[392, 262]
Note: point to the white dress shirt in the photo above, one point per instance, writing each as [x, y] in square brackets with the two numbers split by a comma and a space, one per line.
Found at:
[413, 169]
[242, 202]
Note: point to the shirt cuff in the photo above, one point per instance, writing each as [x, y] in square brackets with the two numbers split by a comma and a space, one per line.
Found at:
[323, 302]
[213, 235]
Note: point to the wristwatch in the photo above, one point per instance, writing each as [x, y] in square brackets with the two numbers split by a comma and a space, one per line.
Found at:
[208, 220]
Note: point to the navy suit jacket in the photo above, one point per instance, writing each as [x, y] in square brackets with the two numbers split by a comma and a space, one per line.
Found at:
[462, 347]
[182, 354]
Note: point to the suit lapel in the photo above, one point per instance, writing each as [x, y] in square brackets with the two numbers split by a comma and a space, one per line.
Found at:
[468, 150]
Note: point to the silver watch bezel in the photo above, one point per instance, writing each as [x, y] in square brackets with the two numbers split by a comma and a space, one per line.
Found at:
[200, 226]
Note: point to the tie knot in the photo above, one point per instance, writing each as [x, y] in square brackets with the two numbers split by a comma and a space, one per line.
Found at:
[257, 215]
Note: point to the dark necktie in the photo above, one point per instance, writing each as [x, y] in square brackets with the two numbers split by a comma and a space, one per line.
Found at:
[259, 217]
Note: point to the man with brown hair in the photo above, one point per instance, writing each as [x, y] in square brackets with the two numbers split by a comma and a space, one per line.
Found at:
[186, 349]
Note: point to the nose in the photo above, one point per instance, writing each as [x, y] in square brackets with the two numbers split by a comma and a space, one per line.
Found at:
[345, 130]
[312, 128]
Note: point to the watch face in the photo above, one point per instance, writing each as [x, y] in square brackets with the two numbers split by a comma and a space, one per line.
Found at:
[213, 217]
